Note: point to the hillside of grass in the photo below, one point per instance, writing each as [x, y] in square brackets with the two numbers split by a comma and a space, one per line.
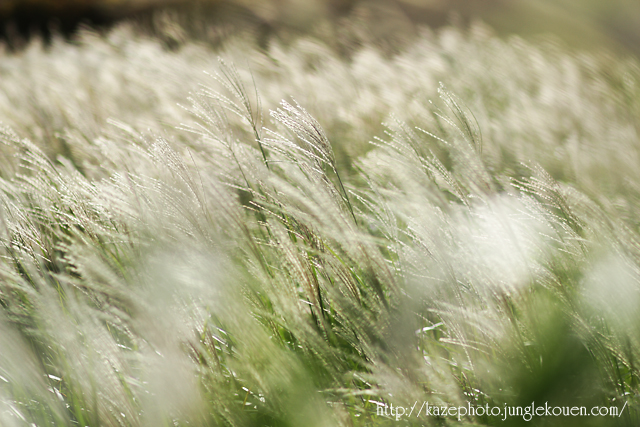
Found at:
[288, 236]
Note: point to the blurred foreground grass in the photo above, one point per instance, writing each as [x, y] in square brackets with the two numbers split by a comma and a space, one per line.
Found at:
[182, 248]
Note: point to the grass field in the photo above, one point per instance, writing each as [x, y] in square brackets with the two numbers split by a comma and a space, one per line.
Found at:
[295, 236]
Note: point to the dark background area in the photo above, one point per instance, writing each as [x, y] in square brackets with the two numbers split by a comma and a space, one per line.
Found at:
[614, 24]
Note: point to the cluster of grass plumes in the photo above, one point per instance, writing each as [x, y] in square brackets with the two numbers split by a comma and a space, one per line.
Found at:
[246, 261]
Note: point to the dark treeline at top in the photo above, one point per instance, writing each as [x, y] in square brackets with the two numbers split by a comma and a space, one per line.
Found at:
[21, 20]
[609, 23]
